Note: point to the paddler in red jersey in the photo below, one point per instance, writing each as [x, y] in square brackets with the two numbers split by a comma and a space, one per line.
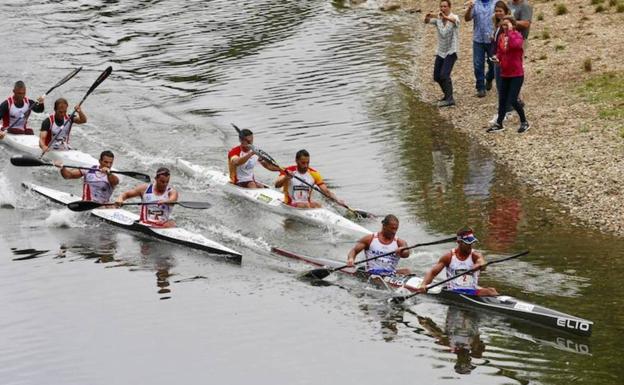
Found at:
[458, 260]
[57, 126]
[242, 160]
[296, 192]
[98, 182]
[14, 111]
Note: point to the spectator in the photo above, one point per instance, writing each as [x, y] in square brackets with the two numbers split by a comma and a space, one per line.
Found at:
[509, 55]
[523, 13]
[447, 24]
[481, 11]
[500, 10]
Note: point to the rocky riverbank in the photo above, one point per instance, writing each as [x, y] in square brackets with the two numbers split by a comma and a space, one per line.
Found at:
[574, 94]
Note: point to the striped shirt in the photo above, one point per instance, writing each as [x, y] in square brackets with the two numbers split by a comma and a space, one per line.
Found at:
[448, 35]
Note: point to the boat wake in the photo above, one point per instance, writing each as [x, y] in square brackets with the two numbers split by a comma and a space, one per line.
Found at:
[64, 218]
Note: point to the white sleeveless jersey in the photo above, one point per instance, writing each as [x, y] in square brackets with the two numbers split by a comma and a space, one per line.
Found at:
[96, 186]
[245, 172]
[17, 115]
[298, 191]
[468, 281]
[385, 264]
[62, 140]
[155, 214]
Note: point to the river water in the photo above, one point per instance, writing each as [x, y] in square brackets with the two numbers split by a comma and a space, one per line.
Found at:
[86, 303]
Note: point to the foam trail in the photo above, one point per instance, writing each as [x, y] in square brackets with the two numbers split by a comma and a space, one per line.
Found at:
[64, 218]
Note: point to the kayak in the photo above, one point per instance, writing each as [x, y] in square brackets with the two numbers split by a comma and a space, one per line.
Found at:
[29, 144]
[273, 200]
[130, 221]
[500, 304]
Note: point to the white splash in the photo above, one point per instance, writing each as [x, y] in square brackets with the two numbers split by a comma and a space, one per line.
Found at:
[64, 218]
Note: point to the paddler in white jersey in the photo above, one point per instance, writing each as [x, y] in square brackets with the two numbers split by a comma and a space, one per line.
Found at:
[161, 194]
[98, 182]
[458, 260]
[297, 193]
[57, 126]
[14, 111]
[382, 242]
[242, 160]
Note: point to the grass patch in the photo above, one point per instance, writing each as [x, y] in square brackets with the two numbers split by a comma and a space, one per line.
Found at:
[607, 92]
[600, 8]
[620, 8]
[560, 9]
[587, 64]
[545, 34]
[613, 3]
[559, 47]
[540, 16]
[595, 2]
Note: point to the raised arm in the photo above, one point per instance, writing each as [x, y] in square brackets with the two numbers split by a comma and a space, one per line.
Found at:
[362, 244]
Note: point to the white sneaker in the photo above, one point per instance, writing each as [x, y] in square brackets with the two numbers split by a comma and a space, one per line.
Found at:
[507, 116]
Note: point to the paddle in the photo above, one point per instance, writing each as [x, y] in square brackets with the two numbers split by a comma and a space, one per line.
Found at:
[90, 205]
[29, 161]
[269, 158]
[400, 299]
[324, 272]
[60, 83]
[70, 121]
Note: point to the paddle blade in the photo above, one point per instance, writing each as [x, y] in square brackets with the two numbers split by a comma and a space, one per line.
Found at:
[194, 205]
[65, 79]
[315, 274]
[99, 80]
[28, 161]
[83, 205]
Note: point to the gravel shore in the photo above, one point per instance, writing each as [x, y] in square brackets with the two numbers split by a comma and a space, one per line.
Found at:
[574, 151]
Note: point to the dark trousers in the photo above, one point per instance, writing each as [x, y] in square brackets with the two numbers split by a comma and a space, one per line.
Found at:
[498, 78]
[480, 52]
[442, 74]
[508, 94]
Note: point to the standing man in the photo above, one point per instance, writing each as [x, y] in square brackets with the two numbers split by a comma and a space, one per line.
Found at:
[382, 242]
[297, 193]
[242, 160]
[57, 126]
[523, 13]
[98, 182]
[481, 11]
[458, 260]
[447, 24]
[160, 196]
[14, 111]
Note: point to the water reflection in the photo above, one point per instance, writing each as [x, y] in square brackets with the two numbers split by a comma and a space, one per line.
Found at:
[158, 256]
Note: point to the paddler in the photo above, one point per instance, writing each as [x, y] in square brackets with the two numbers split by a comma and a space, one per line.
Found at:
[160, 193]
[57, 126]
[98, 181]
[242, 160]
[297, 193]
[14, 111]
[458, 260]
[382, 242]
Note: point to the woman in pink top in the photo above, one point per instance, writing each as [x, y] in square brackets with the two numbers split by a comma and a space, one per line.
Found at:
[509, 54]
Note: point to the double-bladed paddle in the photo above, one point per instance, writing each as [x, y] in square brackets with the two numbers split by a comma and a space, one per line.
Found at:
[29, 161]
[60, 83]
[269, 158]
[70, 121]
[400, 299]
[324, 272]
[90, 205]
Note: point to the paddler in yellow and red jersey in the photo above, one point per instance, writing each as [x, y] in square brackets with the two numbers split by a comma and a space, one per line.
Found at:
[296, 192]
[242, 160]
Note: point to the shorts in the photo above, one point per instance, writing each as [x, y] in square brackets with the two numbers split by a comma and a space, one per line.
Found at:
[381, 272]
[466, 291]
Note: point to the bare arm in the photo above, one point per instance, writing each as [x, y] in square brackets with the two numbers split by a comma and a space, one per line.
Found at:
[69, 173]
[478, 259]
[81, 118]
[362, 244]
[436, 269]
[173, 195]
[42, 139]
[401, 251]
[282, 179]
[468, 14]
[135, 192]
[269, 166]
[240, 160]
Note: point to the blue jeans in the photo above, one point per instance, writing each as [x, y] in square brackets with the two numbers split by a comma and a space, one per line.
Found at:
[499, 82]
[480, 53]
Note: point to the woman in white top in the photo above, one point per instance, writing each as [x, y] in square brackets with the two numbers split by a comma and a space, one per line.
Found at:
[447, 25]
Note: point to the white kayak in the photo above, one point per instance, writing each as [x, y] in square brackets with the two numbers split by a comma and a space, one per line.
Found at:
[130, 221]
[29, 144]
[273, 200]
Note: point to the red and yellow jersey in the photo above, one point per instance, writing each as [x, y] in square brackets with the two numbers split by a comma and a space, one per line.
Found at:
[244, 172]
[295, 190]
